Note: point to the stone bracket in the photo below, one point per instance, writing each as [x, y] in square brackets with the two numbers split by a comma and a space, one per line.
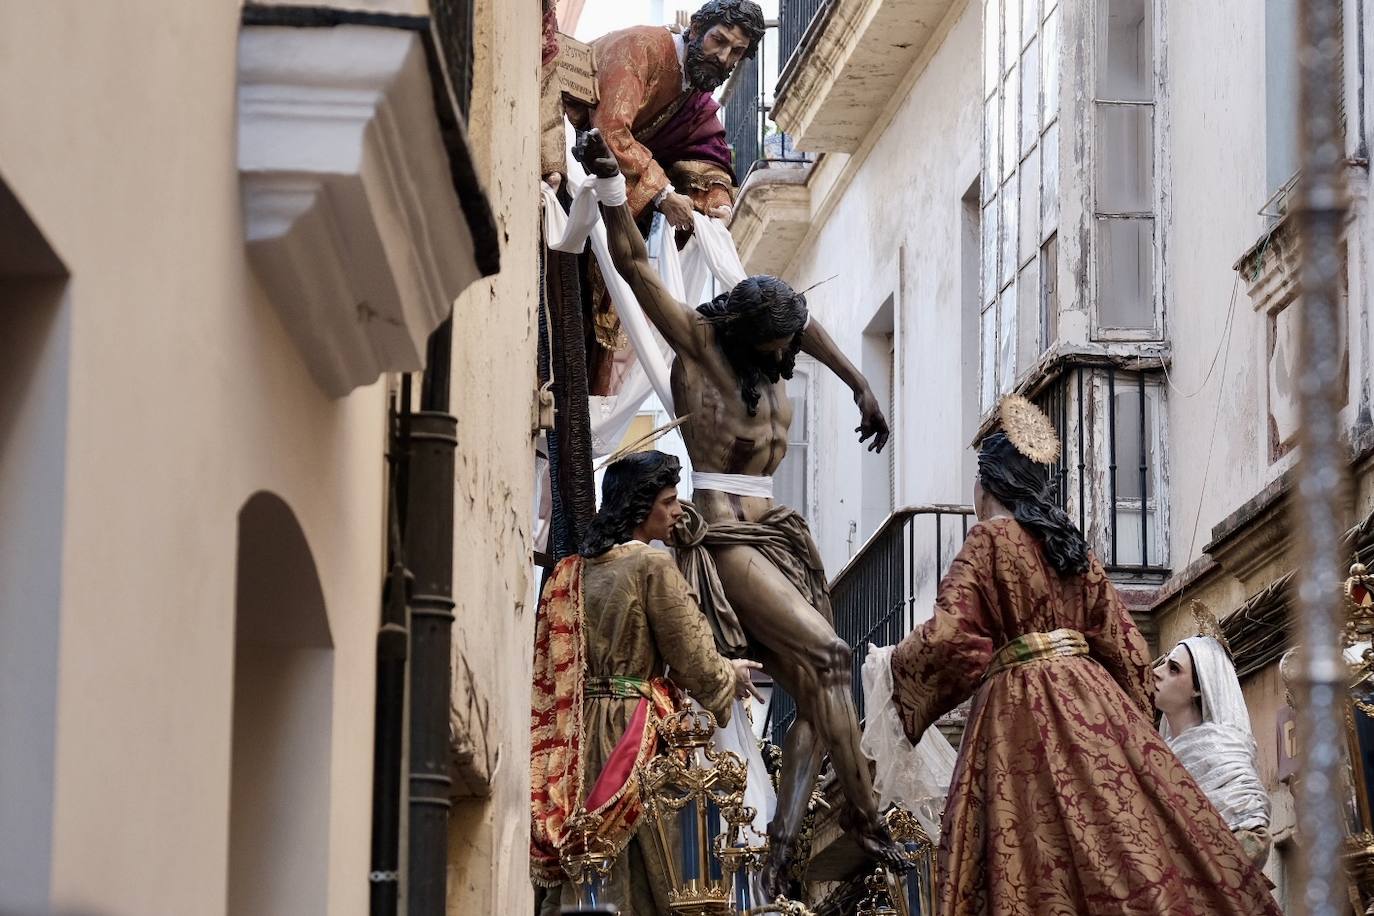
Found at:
[351, 221]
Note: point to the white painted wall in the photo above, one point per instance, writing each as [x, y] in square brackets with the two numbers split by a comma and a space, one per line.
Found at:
[892, 226]
[894, 231]
[33, 429]
[185, 396]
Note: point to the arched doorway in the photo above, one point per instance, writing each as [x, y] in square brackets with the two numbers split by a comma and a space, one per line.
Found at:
[283, 704]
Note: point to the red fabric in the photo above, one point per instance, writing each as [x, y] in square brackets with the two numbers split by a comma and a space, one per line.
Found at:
[556, 732]
[622, 760]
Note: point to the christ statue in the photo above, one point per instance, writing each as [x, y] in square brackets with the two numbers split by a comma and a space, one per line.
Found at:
[732, 358]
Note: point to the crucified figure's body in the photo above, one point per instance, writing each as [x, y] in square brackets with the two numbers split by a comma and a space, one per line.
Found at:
[732, 358]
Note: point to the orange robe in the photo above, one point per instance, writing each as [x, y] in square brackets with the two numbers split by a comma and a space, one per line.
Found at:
[1065, 799]
[639, 81]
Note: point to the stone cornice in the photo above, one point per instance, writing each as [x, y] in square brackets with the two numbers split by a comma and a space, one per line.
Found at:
[853, 60]
[772, 216]
[352, 219]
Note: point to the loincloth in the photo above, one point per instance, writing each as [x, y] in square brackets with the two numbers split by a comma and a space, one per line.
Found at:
[781, 536]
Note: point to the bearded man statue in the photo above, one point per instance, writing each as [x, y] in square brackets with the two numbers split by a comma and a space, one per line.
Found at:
[656, 112]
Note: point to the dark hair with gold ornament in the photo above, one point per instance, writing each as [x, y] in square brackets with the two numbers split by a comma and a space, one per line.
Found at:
[1029, 429]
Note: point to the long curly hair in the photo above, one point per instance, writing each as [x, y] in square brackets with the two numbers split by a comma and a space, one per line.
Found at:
[743, 13]
[757, 309]
[1022, 485]
[628, 492]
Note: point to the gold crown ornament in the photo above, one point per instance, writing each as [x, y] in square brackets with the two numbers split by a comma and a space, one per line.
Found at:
[1207, 624]
[1030, 431]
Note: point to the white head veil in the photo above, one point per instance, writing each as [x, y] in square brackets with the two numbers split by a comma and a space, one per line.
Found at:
[1220, 753]
[1222, 701]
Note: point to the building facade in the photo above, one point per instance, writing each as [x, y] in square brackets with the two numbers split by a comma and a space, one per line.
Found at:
[228, 233]
[1093, 216]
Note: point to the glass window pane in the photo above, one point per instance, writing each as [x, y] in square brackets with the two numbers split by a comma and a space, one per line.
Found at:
[988, 227]
[992, 46]
[1049, 292]
[1030, 19]
[1281, 45]
[797, 391]
[1010, 131]
[1028, 335]
[1125, 159]
[789, 478]
[1049, 70]
[1007, 254]
[1125, 273]
[1030, 207]
[988, 332]
[1049, 181]
[1125, 55]
[1030, 97]
[1128, 439]
[1006, 340]
[992, 151]
[1011, 31]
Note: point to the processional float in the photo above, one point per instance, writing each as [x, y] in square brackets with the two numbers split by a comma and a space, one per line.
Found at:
[703, 837]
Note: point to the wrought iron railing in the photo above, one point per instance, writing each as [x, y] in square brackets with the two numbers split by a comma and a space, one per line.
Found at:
[1107, 477]
[751, 134]
[794, 18]
[453, 31]
[886, 589]
[745, 120]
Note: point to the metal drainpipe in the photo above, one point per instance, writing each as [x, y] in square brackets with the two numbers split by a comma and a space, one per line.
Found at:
[1319, 502]
[429, 554]
[389, 734]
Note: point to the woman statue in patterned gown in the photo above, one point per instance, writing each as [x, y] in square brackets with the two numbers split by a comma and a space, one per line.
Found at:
[1207, 724]
[1065, 799]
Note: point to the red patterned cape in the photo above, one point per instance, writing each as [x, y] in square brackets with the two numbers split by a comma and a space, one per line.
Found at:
[556, 710]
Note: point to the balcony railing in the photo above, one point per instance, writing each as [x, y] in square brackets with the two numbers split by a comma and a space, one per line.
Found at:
[1108, 476]
[794, 19]
[745, 120]
[453, 31]
[748, 129]
[886, 589]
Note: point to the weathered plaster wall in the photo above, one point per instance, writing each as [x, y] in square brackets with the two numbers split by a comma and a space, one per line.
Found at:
[186, 397]
[894, 230]
[1214, 123]
[493, 389]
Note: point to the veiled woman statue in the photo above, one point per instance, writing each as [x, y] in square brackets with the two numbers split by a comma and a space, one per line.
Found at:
[1208, 726]
[1064, 797]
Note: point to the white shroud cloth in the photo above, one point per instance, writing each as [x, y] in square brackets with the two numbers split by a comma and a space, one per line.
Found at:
[710, 251]
[1220, 752]
[913, 776]
[738, 484]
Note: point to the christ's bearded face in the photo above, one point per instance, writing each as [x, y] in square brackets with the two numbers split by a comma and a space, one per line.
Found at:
[713, 54]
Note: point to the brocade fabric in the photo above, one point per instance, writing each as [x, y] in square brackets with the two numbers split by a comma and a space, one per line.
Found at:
[640, 617]
[639, 81]
[1065, 801]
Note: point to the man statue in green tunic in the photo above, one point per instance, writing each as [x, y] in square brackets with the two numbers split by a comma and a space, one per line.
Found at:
[612, 622]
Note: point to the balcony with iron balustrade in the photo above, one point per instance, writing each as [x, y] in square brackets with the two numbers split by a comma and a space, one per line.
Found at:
[772, 209]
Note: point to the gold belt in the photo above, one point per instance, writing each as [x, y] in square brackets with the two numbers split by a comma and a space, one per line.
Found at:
[1031, 647]
[616, 686]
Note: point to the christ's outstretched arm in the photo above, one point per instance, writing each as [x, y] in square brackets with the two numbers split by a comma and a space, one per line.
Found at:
[817, 342]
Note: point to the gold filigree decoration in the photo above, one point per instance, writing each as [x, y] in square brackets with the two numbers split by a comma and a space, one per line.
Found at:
[1207, 623]
[878, 902]
[1030, 431]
